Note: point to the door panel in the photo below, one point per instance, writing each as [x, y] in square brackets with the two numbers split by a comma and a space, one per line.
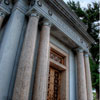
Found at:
[53, 84]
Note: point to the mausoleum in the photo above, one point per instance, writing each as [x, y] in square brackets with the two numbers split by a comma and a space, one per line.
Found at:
[44, 52]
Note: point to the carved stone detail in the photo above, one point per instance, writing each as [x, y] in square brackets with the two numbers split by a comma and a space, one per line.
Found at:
[5, 7]
[2, 14]
[39, 3]
[32, 2]
[49, 12]
[7, 2]
[56, 56]
[35, 14]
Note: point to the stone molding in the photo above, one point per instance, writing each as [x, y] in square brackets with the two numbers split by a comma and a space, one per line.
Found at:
[5, 8]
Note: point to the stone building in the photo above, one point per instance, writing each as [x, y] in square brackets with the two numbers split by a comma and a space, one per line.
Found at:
[44, 50]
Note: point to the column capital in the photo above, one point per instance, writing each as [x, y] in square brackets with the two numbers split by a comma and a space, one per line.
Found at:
[86, 54]
[21, 5]
[79, 50]
[33, 14]
[46, 22]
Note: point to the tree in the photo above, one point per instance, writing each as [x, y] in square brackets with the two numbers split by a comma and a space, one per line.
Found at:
[90, 16]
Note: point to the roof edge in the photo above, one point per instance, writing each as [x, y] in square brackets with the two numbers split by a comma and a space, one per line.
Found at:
[71, 18]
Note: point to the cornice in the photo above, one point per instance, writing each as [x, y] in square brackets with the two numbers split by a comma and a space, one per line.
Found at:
[70, 17]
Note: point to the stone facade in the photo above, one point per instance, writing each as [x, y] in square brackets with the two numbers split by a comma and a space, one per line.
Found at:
[36, 35]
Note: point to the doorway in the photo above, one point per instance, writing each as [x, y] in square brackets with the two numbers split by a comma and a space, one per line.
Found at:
[58, 76]
[54, 81]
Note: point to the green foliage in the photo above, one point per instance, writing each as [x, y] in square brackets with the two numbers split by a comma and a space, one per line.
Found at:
[89, 16]
[94, 96]
[76, 8]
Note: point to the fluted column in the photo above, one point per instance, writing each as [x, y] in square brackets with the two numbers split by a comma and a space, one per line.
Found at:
[9, 46]
[81, 80]
[88, 78]
[23, 79]
[41, 79]
[2, 16]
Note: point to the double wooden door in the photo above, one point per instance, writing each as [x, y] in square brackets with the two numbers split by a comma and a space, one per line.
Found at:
[53, 84]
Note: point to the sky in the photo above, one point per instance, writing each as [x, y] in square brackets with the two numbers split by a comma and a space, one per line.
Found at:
[83, 2]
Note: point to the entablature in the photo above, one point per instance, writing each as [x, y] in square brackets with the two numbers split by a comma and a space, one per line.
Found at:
[69, 16]
[56, 19]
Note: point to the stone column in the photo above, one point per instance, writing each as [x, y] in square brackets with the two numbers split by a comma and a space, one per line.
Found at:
[24, 73]
[88, 78]
[82, 95]
[9, 46]
[2, 16]
[41, 79]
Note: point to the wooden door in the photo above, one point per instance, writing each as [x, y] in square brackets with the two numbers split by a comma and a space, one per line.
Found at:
[53, 84]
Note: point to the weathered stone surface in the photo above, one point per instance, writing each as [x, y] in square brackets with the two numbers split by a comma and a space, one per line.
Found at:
[41, 79]
[23, 79]
[82, 94]
[88, 78]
